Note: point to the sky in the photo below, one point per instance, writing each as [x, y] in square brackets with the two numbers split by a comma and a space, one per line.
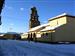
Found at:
[16, 13]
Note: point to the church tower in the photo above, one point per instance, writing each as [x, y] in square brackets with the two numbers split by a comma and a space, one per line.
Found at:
[1, 7]
[34, 18]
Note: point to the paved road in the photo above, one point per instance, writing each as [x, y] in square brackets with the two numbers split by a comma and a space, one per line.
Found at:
[24, 48]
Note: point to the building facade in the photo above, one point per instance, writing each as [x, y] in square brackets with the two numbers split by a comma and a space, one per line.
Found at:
[58, 29]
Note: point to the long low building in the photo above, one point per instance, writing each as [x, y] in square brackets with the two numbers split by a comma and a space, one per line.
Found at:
[58, 29]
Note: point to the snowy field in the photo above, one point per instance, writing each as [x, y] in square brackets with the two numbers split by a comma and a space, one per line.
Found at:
[24, 48]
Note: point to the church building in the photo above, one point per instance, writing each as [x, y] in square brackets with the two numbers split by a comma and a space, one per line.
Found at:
[60, 28]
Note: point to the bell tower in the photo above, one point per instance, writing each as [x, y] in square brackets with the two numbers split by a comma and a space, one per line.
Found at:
[34, 18]
[1, 7]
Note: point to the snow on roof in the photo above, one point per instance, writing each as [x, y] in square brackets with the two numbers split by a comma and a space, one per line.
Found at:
[12, 33]
[58, 16]
[1, 34]
[38, 27]
[25, 33]
[50, 28]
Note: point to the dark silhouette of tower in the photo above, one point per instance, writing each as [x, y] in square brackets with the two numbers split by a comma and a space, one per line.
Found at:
[1, 7]
[34, 18]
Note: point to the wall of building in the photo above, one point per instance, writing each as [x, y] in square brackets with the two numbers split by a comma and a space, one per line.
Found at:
[58, 21]
[38, 35]
[24, 36]
[65, 32]
[70, 19]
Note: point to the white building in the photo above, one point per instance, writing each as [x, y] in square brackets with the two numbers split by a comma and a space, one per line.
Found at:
[59, 28]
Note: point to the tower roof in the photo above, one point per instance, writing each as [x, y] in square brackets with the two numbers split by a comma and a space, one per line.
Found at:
[33, 7]
[34, 21]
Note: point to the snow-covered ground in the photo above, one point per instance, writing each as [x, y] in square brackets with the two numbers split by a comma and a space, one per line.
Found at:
[24, 48]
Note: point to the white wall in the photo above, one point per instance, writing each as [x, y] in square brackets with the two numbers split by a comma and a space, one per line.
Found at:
[66, 32]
